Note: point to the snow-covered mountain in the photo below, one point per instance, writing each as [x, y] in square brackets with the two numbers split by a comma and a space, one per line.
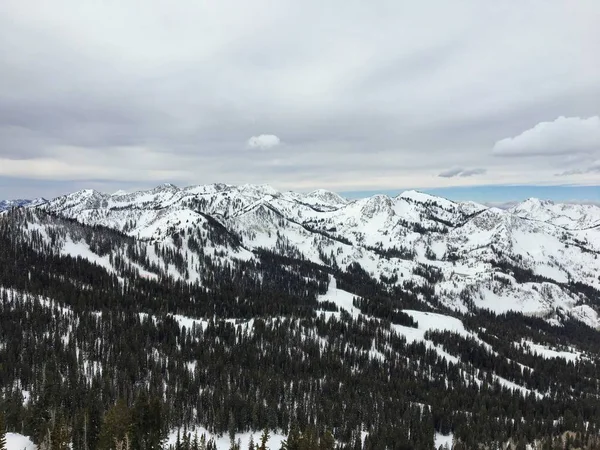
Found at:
[535, 258]
[221, 293]
[571, 216]
[17, 203]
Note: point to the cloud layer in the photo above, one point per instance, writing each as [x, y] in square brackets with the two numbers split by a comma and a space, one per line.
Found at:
[111, 95]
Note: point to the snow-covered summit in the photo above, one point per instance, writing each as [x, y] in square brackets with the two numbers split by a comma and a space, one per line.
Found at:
[422, 197]
[258, 190]
[567, 215]
[325, 197]
[170, 187]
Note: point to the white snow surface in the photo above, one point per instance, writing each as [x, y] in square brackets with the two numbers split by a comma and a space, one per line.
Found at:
[429, 321]
[16, 441]
[549, 353]
[443, 439]
[223, 442]
[341, 298]
[81, 249]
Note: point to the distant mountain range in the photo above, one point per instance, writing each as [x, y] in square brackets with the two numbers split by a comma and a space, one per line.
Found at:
[474, 248]
[7, 204]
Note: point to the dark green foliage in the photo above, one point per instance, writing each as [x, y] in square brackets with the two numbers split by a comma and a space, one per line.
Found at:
[116, 426]
[384, 310]
[103, 375]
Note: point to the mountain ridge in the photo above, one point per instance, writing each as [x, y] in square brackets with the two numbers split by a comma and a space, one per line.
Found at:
[18, 203]
[388, 236]
[553, 246]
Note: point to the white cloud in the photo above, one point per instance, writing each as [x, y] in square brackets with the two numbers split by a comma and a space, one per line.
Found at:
[563, 136]
[264, 141]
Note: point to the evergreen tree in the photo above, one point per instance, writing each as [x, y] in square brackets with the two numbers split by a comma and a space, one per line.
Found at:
[115, 427]
[178, 445]
[60, 435]
[327, 441]
[263, 440]
[2, 432]
[147, 423]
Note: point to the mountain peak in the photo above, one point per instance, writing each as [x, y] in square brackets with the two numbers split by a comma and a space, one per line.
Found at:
[259, 189]
[417, 196]
[377, 204]
[326, 197]
[166, 187]
[533, 201]
[565, 215]
[85, 193]
[422, 197]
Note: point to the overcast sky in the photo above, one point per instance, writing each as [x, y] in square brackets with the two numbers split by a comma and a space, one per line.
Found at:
[345, 95]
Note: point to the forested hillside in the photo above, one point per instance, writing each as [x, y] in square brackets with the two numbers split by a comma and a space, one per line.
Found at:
[114, 335]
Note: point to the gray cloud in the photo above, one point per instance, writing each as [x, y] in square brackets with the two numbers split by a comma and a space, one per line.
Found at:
[454, 172]
[471, 172]
[461, 172]
[592, 168]
[366, 100]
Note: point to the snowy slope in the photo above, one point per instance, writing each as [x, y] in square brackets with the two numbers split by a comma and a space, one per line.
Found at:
[475, 249]
[16, 441]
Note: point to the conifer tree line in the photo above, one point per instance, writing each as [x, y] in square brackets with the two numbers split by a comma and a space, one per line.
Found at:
[103, 360]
